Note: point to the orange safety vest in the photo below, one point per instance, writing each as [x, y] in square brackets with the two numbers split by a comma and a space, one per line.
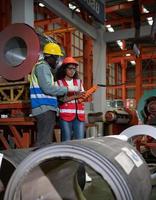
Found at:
[71, 109]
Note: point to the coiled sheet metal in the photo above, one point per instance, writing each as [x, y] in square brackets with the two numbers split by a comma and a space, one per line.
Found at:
[19, 51]
[115, 162]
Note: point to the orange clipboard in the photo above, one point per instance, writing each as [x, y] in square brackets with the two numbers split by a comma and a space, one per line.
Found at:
[89, 92]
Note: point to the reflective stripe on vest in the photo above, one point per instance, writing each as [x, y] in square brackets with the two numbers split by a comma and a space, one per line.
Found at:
[69, 110]
[38, 98]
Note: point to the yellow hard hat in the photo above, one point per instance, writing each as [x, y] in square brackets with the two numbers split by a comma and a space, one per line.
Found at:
[52, 49]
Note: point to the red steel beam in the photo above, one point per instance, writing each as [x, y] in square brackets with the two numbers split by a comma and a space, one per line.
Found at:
[148, 2]
[14, 105]
[122, 53]
[44, 22]
[132, 86]
[118, 59]
[60, 30]
[123, 6]
[122, 20]
[4, 142]
[17, 121]
[17, 136]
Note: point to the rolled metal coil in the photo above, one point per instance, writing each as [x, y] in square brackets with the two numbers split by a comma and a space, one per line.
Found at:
[115, 161]
[19, 51]
[11, 159]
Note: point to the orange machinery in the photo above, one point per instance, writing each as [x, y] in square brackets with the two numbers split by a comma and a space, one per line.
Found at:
[118, 117]
[147, 115]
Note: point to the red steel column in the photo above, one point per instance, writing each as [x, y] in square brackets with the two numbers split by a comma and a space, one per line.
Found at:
[68, 43]
[5, 14]
[138, 74]
[123, 66]
[116, 79]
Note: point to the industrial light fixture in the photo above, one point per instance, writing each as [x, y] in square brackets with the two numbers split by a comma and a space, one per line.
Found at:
[109, 28]
[73, 7]
[41, 5]
[149, 19]
[120, 43]
[145, 10]
[133, 62]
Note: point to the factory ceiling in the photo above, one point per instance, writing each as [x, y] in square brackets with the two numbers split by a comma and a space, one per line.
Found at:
[118, 15]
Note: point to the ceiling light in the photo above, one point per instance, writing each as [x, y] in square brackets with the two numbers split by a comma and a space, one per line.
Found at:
[150, 20]
[145, 10]
[110, 28]
[78, 10]
[73, 7]
[120, 43]
[130, 0]
[128, 54]
[41, 4]
[133, 62]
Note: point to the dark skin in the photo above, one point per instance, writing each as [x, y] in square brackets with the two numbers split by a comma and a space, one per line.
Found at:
[51, 60]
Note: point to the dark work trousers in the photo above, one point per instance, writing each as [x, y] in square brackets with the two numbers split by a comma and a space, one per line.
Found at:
[45, 126]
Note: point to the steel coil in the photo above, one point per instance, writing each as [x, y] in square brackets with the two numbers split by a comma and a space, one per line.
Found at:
[115, 161]
[11, 159]
[19, 51]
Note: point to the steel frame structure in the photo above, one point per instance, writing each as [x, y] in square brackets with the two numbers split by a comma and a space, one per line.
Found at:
[63, 35]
